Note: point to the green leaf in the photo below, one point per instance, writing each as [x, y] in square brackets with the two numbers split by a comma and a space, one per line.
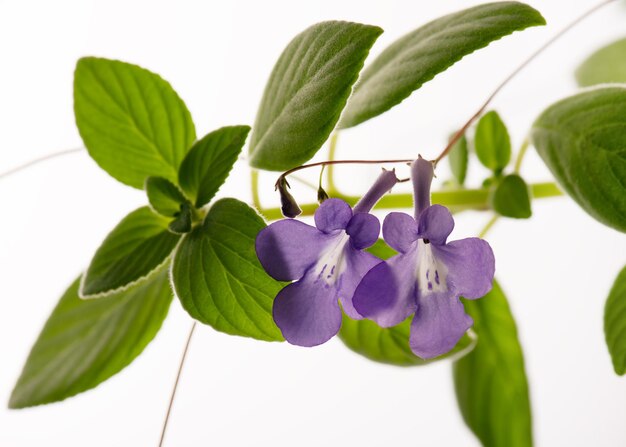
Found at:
[419, 56]
[209, 162]
[492, 142]
[607, 65]
[390, 345]
[84, 342]
[582, 139]
[132, 122]
[615, 323]
[511, 198]
[134, 250]
[458, 158]
[165, 198]
[307, 91]
[184, 221]
[490, 382]
[218, 278]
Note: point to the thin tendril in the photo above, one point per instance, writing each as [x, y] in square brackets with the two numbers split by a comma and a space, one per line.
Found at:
[39, 160]
[173, 395]
[523, 65]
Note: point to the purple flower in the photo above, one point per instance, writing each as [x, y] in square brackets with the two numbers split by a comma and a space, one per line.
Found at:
[428, 275]
[327, 261]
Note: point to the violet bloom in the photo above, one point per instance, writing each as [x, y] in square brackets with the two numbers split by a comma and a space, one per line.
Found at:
[428, 275]
[326, 260]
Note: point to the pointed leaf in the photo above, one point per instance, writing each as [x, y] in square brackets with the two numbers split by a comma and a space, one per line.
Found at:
[582, 139]
[165, 198]
[490, 382]
[132, 122]
[184, 221]
[607, 65]
[218, 278]
[511, 198]
[134, 250]
[209, 162]
[84, 342]
[307, 91]
[458, 158]
[615, 323]
[419, 56]
[492, 142]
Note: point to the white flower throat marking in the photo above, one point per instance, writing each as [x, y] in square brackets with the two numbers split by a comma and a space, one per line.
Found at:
[332, 261]
[430, 273]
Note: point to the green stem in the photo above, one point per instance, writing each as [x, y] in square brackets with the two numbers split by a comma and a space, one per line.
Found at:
[488, 226]
[520, 155]
[254, 185]
[330, 169]
[457, 200]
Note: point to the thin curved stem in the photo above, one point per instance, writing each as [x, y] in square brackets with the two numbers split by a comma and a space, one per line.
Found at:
[520, 155]
[254, 185]
[330, 171]
[488, 226]
[523, 65]
[39, 160]
[173, 395]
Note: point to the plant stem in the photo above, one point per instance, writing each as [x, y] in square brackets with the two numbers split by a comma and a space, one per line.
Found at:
[520, 155]
[39, 160]
[488, 226]
[254, 185]
[173, 395]
[457, 200]
[332, 151]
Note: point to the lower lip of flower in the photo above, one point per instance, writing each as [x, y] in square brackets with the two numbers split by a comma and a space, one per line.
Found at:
[332, 261]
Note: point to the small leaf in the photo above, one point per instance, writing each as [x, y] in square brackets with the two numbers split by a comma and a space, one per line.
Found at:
[458, 158]
[419, 56]
[165, 198]
[307, 91]
[490, 382]
[582, 139]
[492, 142]
[85, 342]
[209, 162]
[134, 250]
[184, 221]
[132, 122]
[511, 198]
[390, 345]
[607, 65]
[615, 323]
[218, 278]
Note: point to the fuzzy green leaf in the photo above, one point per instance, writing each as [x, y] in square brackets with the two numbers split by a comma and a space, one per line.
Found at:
[607, 65]
[165, 198]
[84, 342]
[132, 122]
[209, 162]
[582, 139]
[307, 91]
[511, 198]
[184, 220]
[492, 142]
[134, 250]
[490, 382]
[615, 323]
[419, 56]
[218, 278]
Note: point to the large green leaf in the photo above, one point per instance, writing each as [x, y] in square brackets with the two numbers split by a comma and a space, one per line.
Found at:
[490, 382]
[307, 91]
[135, 249]
[419, 56]
[218, 278]
[492, 142]
[209, 162]
[133, 123]
[615, 323]
[84, 342]
[607, 65]
[582, 139]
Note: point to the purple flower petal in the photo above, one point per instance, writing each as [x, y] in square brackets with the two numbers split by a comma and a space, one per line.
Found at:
[333, 214]
[439, 323]
[363, 229]
[359, 263]
[287, 248]
[400, 231]
[385, 181]
[307, 312]
[422, 173]
[436, 224]
[388, 293]
[471, 266]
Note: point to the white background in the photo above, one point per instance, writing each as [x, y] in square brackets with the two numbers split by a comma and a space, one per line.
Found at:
[556, 268]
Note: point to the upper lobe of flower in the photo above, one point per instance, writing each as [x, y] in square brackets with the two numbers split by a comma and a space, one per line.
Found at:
[427, 276]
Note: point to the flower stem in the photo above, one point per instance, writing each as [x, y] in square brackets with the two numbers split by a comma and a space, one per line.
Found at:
[520, 155]
[488, 226]
[456, 199]
[330, 171]
[39, 160]
[254, 185]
